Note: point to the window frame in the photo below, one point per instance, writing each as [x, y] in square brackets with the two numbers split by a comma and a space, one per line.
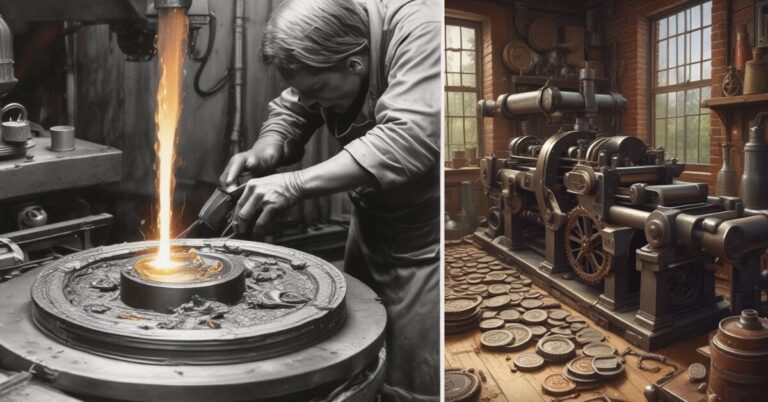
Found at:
[655, 89]
[478, 89]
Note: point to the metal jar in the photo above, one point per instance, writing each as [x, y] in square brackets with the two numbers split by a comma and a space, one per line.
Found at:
[739, 359]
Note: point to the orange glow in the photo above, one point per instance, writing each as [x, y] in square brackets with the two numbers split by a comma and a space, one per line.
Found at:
[171, 47]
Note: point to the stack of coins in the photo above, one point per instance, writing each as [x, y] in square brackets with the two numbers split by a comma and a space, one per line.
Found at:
[462, 314]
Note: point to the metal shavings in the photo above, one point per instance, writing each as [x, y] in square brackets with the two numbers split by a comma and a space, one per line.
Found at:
[105, 284]
[132, 316]
[96, 308]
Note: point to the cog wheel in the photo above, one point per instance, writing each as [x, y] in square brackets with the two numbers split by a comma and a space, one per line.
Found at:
[584, 246]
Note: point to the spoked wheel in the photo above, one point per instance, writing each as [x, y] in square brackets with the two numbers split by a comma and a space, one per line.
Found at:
[584, 246]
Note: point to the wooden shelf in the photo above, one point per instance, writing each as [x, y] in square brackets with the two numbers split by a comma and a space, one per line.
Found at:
[726, 102]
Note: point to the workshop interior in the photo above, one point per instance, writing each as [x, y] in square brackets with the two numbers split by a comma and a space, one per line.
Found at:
[606, 200]
[97, 192]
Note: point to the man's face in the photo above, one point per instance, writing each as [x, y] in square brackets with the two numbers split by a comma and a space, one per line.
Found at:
[334, 90]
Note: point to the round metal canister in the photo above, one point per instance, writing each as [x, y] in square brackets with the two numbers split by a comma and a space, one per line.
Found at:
[62, 138]
[739, 358]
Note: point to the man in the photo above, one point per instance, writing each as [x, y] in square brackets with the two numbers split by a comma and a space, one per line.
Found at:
[370, 71]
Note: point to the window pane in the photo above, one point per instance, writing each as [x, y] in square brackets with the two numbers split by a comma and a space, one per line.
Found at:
[672, 25]
[706, 70]
[454, 80]
[680, 102]
[692, 139]
[706, 47]
[672, 52]
[470, 104]
[455, 104]
[661, 26]
[681, 22]
[671, 105]
[661, 78]
[680, 135]
[468, 61]
[661, 105]
[680, 74]
[661, 128]
[468, 38]
[694, 71]
[695, 15]
[468, 80]
[457, 130]
[704, 141]
[671, 136]
[662, 55]
[692, 101]
[452, 61]
[704, 96]
[470, 133]
[694, 43]
[707, 13]
[672, 77]
[681, 52]
[452, 37]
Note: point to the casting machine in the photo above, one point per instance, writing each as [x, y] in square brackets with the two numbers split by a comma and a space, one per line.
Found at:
[602, 222]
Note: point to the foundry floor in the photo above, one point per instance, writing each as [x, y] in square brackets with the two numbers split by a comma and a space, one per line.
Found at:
[463, 351]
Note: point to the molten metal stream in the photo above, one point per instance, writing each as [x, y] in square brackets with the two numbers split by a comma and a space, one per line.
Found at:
[171, 46]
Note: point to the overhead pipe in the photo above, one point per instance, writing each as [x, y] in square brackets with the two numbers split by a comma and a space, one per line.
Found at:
[237, 69]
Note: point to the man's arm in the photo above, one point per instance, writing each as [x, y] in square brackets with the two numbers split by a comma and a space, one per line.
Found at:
[281, 141]
[406, 140]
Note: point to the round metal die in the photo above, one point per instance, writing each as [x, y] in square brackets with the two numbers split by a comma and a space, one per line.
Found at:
[156, 293]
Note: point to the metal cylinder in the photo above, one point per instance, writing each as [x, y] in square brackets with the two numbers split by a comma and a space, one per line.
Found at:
[739, 357]
[7, 79]
[185, 4]
[628, 216]
[62, 138]
[735, 237]
[754, 180]
[678, 194]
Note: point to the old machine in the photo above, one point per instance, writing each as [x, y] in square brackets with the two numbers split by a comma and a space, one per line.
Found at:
[600, 221]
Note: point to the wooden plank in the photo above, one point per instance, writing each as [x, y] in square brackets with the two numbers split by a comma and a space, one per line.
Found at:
[502, 384]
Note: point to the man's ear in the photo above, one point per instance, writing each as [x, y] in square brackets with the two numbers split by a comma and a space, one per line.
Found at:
[357, 65]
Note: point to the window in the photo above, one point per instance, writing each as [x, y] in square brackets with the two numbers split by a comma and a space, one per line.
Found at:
[682, 79]
[462, 87]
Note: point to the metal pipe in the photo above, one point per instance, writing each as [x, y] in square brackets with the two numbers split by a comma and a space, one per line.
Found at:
[237, 86]
[754, 180]
[185, 4]
[626, 216]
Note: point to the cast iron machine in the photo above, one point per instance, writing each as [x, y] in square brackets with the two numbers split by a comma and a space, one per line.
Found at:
[610, 212]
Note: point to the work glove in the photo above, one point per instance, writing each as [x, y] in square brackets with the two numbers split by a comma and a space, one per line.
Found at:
[264, 198]
[267, 154]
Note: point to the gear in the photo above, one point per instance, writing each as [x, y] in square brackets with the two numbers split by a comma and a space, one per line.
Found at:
[584, 246]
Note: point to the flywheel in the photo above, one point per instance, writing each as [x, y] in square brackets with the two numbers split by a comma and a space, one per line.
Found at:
[584, 246]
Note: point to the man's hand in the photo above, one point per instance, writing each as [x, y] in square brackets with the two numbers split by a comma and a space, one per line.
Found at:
[270, 195]
[261, 160]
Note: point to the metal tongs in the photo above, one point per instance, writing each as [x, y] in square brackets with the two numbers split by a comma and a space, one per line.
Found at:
[217, 213]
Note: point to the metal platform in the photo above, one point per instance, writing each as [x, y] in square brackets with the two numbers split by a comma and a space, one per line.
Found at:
[44, 170]
[586, 299]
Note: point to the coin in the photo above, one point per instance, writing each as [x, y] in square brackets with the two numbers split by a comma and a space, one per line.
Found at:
[496, 338]
[532, 295]
[577, 326]
[516, 286]
[582, 367]
[497, 301]
[555, 323]
[529, 362]
[522, 335]
[573, 319]
[498, 289]
[454, 272]
[558, 314]
[491, 323]
[535, 316]
[537, 331]
[495, 277]
[461, 306]
[510, 315]
[598, 349]
[514, 298]
[483, 270]
[489, 314]
[461, 386]
[589, 335]
[531, 304]
[561, 331]
[550, 303]
[607, 366]
[557, 385]
[470, 264]
[697, 372]
[555, 348]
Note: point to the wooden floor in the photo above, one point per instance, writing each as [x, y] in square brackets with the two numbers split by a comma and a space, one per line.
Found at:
[501, 384]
